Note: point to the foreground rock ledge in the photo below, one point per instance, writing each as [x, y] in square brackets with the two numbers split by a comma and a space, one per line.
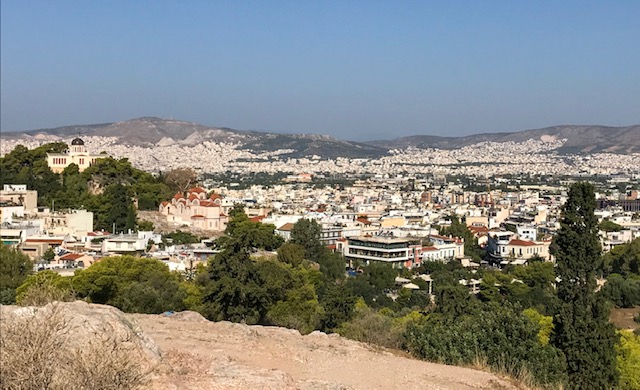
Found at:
[193, 353]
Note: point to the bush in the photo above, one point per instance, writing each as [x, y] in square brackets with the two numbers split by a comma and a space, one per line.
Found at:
[383, 327]
[42, 288]
[501, 336]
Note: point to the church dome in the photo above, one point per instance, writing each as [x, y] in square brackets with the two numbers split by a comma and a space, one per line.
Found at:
[77, 141]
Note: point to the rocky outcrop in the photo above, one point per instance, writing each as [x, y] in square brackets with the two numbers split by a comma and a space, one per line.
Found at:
[188, 352]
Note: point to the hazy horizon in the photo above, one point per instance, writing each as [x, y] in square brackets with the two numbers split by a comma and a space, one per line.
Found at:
[357, 139]
[357, 70]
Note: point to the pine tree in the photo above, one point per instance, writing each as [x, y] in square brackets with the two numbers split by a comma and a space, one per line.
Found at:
[581, 327]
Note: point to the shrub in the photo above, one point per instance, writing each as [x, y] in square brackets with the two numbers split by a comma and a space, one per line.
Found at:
[42, 288]
[500, 335]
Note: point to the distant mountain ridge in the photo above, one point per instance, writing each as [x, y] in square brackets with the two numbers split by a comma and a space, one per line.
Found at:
[151, 131]
[579, 139]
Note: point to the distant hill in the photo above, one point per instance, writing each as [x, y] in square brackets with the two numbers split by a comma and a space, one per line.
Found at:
[580, 139]
[150, 131]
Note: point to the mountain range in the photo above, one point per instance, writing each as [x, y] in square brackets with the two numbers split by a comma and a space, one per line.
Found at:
[151, 131]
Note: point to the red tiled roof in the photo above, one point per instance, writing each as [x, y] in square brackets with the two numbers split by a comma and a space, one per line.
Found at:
[259, 218]
[286, 227]
[522, 243]
[197, 216]
[99, 233]
[193, 196]
[208, 203]
[215, 196]
[177, 196]
[71, 256]
[197, 190]
[164, 203]
[479, 229]
[429, 248]
[46, 240]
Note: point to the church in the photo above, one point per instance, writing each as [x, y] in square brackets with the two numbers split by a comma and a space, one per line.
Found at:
[77, 154]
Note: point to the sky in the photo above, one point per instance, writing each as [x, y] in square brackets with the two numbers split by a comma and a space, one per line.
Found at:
[359, 70]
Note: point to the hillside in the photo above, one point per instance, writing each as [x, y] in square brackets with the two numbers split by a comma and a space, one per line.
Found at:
[189, 352]
[580, 139]
[149, 132]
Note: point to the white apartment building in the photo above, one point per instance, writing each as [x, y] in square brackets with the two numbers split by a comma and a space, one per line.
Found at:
[20, 195]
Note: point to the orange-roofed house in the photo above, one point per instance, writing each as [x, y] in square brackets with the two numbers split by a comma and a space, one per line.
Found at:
[196, 210]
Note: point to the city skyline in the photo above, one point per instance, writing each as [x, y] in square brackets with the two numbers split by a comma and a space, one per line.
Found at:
[358, 71]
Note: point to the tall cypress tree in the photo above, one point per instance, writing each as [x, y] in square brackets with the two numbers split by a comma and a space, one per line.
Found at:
[581, 327]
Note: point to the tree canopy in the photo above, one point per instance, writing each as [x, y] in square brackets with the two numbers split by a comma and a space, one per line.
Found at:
[132, 284]
[581, 327]
[15, 267]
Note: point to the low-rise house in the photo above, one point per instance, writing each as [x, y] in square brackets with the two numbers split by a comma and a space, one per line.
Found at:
[124, 245]
[76, 260]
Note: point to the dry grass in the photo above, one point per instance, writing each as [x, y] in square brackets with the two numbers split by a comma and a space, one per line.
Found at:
[37, 351]
[43, 294]
[624, 318]
[516, 374]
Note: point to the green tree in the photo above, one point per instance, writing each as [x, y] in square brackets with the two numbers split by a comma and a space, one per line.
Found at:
[115, 208]
[247, 234]
[453, 301]
[338, 303]
[624, 259]
[233, 291]
[609, 226]
[460, 229]
[146, 226]
[307, 233]
[381, 276]
[140, 285]
[291, 254]
[48, 255]
[179, 237]
[332, 265]
[629, 360]
[544, 322]
[581, 327]
[622, 292]
[15, 266]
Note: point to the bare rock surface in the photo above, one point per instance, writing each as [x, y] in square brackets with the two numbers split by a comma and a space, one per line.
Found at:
[80, 322]
[188, 352]
[224, 355]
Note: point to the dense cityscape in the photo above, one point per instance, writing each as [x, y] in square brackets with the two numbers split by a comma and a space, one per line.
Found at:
[319, 195]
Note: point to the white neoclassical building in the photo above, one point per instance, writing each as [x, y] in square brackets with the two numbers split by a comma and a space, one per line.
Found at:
[77, 154]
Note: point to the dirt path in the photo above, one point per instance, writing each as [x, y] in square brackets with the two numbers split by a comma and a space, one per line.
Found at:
[207, 355]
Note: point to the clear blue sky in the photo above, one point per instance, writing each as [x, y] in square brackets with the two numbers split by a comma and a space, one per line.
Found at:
[353, 69]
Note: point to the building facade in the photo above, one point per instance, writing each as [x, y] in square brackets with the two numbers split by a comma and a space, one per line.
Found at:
[77, 154]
